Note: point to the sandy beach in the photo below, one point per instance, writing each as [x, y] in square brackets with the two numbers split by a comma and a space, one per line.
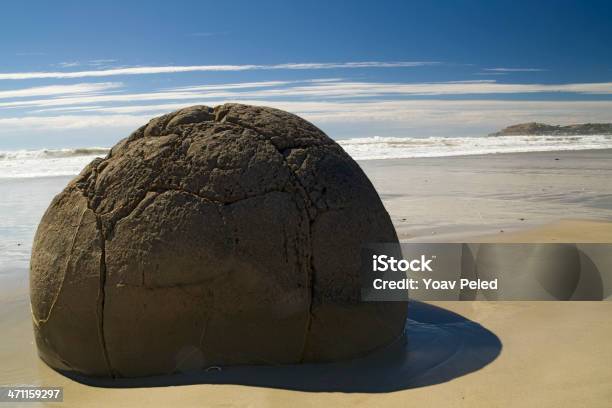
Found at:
[449, 198]
[548, 354]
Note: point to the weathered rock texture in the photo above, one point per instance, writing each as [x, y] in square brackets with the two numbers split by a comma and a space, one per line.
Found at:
[210, 237]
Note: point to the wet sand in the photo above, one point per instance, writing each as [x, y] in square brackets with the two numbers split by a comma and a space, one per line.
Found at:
[578, 231]
[449, 198]
[550, 354]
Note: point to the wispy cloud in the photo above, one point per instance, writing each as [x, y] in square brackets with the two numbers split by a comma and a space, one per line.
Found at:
[209, 68]
[92, 63]
[246, 85]
[335, 102]
[66, 122]
[68, 64]
[303, 90]
[515, 69]
[371, 89]
[239, 85]
[429, 116]
[491, 73]
[98, 62]
[55, 90]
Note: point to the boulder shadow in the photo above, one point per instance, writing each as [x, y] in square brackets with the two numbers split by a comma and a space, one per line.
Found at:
[437, 346]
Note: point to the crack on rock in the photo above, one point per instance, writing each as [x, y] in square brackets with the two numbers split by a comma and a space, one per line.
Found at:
[311, 209]
[66, 265]
[102, 299]
[312, 213]
[88, 181]
[268, 137]
[128, 210]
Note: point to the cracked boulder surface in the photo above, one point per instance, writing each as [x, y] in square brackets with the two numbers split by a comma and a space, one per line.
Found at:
[210, 237]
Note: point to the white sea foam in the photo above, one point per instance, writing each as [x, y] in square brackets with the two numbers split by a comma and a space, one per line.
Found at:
[371, 148]
[47, 162]
[68, 162]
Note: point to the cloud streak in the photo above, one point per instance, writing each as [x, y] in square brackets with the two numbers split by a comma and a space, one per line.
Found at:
[67, 122]
[441, 117]
[54, 90]
[515, 69]
[342, 107]
[208, 68]
[330, 89]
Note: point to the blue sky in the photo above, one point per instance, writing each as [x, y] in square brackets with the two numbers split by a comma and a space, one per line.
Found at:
[85, 74]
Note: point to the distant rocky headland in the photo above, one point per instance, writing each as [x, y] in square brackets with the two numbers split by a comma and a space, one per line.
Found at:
[542, 129]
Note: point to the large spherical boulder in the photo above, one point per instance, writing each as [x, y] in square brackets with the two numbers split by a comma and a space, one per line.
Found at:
[210, 237]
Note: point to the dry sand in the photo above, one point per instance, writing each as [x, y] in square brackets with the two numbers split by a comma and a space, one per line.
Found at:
[554, 354]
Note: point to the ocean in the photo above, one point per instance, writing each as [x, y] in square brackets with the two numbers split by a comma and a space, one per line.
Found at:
[69, 162]
[22, 204]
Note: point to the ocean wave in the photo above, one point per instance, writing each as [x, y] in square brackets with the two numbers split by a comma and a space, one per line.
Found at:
[372, 148]
[53, 153]
[47, 162]
[68, 162]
